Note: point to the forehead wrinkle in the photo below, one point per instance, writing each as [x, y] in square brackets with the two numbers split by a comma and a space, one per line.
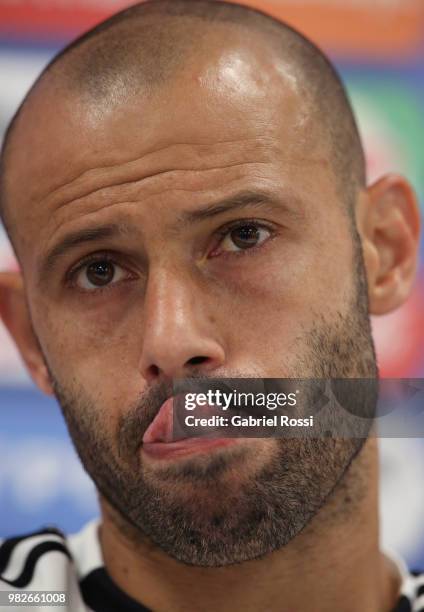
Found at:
[261, 183]
[138, 181]
[160, 160]
[259, 196]
[147, 179]
[136, 202]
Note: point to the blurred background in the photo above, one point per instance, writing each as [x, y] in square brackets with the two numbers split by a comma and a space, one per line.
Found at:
[379, 49]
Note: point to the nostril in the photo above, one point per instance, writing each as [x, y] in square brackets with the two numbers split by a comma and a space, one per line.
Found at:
[196, 360]
[154, 371]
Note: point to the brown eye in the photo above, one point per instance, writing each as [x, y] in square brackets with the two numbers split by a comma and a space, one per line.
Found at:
[244, 237]
[99, 274]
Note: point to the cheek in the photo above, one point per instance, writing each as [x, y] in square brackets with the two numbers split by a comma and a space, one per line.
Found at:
[277, 302]
[94, 354]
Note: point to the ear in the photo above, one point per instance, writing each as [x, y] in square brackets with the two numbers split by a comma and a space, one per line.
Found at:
[15, 315]
[388, 222]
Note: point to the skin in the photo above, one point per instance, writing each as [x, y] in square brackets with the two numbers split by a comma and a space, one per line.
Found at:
[153, 158]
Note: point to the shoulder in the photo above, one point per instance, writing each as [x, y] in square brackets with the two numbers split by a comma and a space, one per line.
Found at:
[412, 593]
[49, 560]
[21, 555]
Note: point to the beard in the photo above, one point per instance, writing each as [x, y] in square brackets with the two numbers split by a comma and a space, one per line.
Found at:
[226, 508]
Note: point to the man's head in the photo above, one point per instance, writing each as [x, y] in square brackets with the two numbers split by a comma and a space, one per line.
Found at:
[185, 191]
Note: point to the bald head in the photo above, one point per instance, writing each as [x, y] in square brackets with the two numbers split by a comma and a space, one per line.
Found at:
[146, 47]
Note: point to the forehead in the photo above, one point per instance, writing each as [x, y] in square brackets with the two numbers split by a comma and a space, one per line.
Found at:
[238, 103]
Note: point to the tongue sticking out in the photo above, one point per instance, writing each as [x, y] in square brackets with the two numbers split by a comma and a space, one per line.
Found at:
[162, 440]
[160, 429]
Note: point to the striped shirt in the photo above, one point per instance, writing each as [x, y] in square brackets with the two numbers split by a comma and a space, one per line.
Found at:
[47, 560]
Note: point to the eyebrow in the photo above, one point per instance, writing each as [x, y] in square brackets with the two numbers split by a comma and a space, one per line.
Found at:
[239, 201]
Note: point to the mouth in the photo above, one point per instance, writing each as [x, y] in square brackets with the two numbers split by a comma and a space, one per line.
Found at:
[161, 441]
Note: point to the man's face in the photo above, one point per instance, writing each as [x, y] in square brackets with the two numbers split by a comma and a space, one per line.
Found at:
[202, 233]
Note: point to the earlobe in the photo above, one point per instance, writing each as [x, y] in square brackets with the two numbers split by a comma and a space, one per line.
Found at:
[389, 223]
[15, 315]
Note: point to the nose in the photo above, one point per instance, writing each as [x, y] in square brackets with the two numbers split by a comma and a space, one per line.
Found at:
[178, 335]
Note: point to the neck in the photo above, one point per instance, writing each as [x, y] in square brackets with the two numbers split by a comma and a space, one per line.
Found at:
[333, 564]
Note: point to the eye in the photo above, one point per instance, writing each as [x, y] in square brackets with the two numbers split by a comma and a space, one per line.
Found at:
[244, 237]
[98, 274]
